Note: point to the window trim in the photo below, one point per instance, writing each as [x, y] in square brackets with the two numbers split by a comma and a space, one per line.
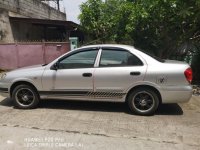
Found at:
[78, 51]
[98, 58]
[117, 49]
[153, 56]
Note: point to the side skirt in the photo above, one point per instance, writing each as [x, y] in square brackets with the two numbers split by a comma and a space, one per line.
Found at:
[83, 95]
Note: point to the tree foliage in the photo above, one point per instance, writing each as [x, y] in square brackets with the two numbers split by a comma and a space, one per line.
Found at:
[164, 27]
[99, 18]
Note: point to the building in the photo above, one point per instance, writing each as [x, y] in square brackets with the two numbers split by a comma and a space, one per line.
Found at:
[32, 20]
[32, 32]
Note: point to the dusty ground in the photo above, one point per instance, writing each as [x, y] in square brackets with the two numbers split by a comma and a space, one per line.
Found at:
[95, 125]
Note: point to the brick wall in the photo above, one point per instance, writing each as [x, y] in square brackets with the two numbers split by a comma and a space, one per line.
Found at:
[32, 8]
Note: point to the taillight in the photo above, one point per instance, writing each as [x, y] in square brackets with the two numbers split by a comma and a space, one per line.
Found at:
[188, 74]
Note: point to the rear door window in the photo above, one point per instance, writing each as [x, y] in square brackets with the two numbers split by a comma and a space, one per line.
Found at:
[118, 58]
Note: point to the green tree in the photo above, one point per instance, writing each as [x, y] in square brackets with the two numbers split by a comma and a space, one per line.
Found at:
[100, 19]
[91, 12]
[163, 27]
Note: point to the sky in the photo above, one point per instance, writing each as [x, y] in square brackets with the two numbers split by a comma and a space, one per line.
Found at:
[72, 9]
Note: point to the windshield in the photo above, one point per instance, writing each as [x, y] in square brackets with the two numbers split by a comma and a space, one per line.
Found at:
[44, 64]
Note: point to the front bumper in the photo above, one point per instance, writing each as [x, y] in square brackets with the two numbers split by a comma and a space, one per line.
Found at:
[176, 94]
[4, 90]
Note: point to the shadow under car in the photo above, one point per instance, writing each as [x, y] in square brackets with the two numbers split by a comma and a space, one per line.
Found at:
[164, 109]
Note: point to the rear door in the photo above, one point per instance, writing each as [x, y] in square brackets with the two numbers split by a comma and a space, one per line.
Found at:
[118, 70]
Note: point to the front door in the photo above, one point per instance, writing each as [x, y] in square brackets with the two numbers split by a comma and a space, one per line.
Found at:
[74, 77]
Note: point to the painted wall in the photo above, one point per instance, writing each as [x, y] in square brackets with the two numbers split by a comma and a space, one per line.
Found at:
[18, 55]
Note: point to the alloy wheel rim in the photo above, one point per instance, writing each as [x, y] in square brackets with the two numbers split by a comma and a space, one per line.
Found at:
[143, 101]
[25, 97]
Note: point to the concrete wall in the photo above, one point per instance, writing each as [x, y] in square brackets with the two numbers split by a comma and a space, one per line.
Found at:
[23, 8]
[5, 27]
[32, 9]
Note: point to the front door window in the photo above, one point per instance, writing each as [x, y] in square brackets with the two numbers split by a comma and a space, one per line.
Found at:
[84, 59]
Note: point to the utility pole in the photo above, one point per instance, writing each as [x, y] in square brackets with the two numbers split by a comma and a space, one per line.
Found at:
[58, 4]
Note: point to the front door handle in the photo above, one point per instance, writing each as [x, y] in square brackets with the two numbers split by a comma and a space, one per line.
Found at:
[87, 74]
[136, 73]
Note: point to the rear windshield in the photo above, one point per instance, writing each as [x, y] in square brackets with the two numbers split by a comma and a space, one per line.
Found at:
[153, 56]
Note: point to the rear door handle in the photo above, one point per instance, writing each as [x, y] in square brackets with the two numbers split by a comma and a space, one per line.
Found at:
[87, 74]
[137, 73]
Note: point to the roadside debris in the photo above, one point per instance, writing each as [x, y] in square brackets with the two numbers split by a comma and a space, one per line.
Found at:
[196, 90]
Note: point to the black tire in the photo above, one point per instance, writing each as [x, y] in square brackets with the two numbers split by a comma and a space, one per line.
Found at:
[143, 101]
[25, 97]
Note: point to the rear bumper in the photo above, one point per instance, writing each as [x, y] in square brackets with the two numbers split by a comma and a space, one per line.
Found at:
[176, 94]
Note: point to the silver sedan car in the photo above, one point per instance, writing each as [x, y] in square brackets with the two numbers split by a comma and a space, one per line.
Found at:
[117, 73]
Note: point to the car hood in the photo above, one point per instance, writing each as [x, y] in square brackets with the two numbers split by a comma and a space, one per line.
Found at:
[29, 68]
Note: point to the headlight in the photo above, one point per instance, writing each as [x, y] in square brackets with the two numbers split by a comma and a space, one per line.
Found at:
[2, 75]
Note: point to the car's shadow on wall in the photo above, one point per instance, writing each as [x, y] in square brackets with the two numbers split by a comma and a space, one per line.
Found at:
[165, 109]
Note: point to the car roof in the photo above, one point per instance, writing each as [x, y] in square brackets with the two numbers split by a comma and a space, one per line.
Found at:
[108, 45]
[148, 58]
[142, 55]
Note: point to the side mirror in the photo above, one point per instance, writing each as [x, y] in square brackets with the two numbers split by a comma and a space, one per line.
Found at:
[55, 66]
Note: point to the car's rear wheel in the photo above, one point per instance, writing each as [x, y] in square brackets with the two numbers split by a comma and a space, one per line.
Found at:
[25, 97]
[143, 101]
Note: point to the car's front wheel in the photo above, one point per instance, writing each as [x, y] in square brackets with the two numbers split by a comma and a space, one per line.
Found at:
[25, 97]
[143, 101]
